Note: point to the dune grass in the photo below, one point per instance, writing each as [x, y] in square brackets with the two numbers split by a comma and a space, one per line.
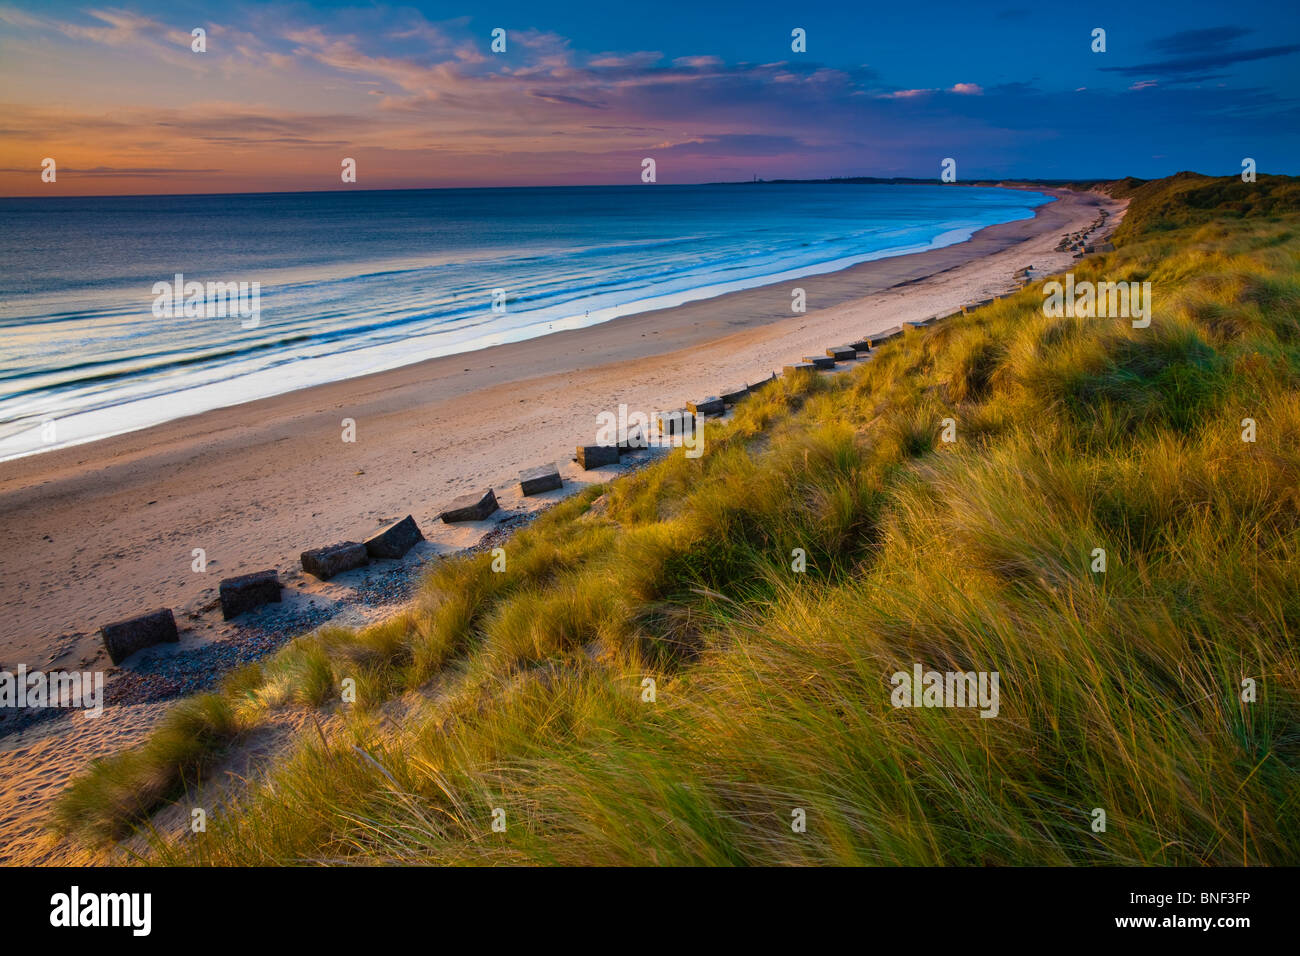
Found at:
[116, 792]
[528, 693]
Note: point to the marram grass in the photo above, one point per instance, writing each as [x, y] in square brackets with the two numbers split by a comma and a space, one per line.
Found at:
[524, 695]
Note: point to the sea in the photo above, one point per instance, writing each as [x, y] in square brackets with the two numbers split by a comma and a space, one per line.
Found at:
[349, 283]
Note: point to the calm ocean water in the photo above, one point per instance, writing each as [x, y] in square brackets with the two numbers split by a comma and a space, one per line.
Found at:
[357, 282]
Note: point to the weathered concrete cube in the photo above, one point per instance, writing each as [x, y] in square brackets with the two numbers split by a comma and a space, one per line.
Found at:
[755, 386]
[334, 559]
[861, 345]
[248, 591]
[915, 325]
[677, 422]
[124, 638]
[594, 456]
[842, 353]
[395, 540]
[470, 507]
[890, 333]
[534, 481]
[798, 367]
[712, 405]
[820, 361]
[731, 396]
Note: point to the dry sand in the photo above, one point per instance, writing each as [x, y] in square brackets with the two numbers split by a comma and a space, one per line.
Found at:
[102, 531]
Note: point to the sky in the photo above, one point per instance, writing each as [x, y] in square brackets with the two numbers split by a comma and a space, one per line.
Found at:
[585, 91]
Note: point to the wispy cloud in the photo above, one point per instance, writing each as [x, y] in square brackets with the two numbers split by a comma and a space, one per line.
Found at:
[961, 89]
[1194, 55]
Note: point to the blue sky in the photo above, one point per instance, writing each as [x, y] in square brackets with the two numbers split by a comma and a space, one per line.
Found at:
[586, 90]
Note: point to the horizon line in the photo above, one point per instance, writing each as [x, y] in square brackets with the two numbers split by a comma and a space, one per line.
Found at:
[883, 180]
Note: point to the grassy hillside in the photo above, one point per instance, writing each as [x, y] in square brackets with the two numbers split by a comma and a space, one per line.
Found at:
[1120, 690]
[1192, 199]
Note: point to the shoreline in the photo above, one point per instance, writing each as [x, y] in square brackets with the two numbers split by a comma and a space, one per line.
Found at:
[80, 426]
[106, 528]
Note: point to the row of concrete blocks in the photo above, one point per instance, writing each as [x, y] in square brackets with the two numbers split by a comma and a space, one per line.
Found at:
[847, 353]
[399, 537]
[544, 478]
[238, 594]
[478, 507]
[390, 542]
[713, 406]
[1078, 242]
[248, 591]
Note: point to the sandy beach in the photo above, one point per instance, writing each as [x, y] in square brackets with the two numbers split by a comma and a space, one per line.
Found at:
[98, 532]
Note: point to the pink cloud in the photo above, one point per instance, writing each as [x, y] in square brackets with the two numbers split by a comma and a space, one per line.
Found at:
[962, 89]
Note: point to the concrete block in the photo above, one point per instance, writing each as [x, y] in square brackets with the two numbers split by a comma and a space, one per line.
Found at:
[124, 638]
[334, 559]
[395, 540]
[731, 396]
[243, 593]
[535, 481]
[471, 507]
[594, 456]
[706, 406]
